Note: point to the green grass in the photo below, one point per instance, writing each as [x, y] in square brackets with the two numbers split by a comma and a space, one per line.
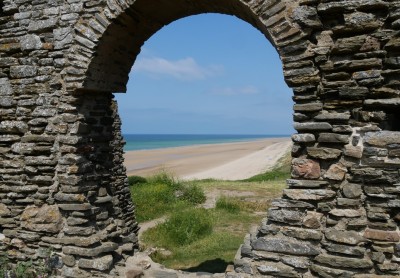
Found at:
[162, 194]
[199, 239]
[206, 251]
[228, 204]
[231, 219]
[184, 227]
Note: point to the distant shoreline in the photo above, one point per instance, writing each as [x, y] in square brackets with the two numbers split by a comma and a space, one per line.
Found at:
[135, 142]
[189, 161]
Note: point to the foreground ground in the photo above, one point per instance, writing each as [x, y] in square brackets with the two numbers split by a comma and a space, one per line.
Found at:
[227, 210]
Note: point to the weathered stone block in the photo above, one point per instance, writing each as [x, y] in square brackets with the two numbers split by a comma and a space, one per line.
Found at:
[332, 116]
[284, 203]
[309, 194]
[345, 249]
[13, 127]
[390, 102]
[68, 260]
[278, 269]
[391, 236]
[303, 138]
[75, 207]
[382, 138]
[350, 213]
[42, 219]
[42, 25]
[309, 107]
[307, 16]
[305, 168]
[351, 44]
[300, 233]
[90, 252]
[77, 240]
[373, 151]
[336, 172]
[313, 220]
[5, 87]
[285, 246]
[23, 71]
[4, 211]
[346, 237]
[79, 231]
[62, 37]
[102, 264]
[353, 93]
[353, 151]
[69, 197]
[292, 183]
[341, 262]
[333, 138]
[323, 153]
[312, 126]
[345, 202]
[352, 190]
[30, 42]
[324, 271]
[286, 216]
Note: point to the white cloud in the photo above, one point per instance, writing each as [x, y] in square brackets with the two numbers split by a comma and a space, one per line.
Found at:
[183, 69]
[230, 91]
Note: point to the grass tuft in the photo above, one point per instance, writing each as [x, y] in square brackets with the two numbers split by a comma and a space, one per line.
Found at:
[228, 204]
[163, 194]
[185, 227]
[133, 180]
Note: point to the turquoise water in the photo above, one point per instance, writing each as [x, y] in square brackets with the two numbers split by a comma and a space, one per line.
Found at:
[159, 141]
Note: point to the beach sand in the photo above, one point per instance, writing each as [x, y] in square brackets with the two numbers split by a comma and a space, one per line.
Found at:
[226, 161]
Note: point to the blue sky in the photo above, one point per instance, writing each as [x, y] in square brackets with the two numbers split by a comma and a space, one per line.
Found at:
[207, 74]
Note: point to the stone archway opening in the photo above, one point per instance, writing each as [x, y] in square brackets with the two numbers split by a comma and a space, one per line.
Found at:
[108, 71]
[205, 95]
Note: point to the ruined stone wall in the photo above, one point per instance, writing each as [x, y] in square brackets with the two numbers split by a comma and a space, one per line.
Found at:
[63, 185]
[339, 216]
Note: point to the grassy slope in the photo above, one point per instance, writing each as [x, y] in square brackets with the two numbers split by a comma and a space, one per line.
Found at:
[231, 218]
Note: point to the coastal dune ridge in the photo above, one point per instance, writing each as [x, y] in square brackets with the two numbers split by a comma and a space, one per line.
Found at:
[224, 161]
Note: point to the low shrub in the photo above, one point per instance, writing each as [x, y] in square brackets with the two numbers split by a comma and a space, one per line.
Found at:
[192, 194]
[228, 204]
[164, 178]
[161, 194]
[133, 180]
[185, 227]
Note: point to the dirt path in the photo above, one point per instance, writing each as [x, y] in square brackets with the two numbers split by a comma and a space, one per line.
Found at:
[142, 263]
[211, 200]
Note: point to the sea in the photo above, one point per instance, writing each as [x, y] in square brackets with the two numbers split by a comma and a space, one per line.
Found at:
[159, 141]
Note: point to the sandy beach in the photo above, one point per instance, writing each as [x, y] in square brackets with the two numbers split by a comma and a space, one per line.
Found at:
[227, 161]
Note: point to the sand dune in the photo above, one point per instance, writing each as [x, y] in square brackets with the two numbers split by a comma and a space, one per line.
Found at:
[228, 161]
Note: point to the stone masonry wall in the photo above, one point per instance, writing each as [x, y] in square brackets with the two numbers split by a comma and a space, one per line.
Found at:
[339, 216]
[63, 185]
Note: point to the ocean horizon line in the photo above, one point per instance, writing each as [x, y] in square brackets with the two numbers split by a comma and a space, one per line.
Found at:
[160, 141]
[222, 134]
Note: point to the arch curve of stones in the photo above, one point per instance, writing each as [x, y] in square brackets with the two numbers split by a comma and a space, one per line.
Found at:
[63, 185]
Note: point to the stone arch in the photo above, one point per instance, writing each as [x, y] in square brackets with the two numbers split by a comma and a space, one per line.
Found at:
[109, 32]
[63, 183]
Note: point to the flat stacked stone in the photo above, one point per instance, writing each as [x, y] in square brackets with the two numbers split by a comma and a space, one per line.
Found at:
[62, 181]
